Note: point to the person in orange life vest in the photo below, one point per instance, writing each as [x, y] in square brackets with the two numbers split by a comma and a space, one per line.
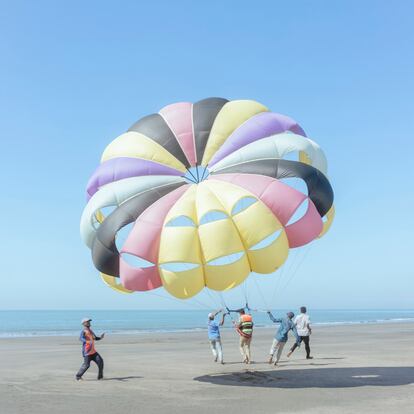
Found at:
[88, 338]
[244, 327]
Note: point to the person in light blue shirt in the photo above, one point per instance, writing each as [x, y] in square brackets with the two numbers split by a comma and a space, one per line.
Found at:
[281, 336]
[214, 335]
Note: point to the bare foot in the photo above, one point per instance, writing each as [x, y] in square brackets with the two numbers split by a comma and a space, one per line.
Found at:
[289, 354]
[270, 360]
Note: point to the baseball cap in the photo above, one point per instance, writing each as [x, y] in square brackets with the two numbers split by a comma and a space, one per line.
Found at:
[85, 320]
[211, 315]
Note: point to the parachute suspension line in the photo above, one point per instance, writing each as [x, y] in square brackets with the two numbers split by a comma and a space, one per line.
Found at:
[202, 175]
[277, 283]
[297, 267]
[261, 293]
[229, 311]
[244, 290]
[187, 175]
[192, 175]
[284, 273]
[202, 304]
[198, 177]
[213, 299]
[245, 283]
[223, 303]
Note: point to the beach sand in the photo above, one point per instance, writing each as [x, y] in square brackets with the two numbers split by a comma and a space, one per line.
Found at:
[356, 369]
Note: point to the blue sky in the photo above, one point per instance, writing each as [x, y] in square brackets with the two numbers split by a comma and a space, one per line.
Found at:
[76, 75]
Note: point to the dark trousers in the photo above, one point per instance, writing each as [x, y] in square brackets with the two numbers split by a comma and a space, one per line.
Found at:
[305, 339]
[87, 363]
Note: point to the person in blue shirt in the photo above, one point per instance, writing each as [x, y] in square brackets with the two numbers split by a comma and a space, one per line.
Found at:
[281, 336]
[214, 335]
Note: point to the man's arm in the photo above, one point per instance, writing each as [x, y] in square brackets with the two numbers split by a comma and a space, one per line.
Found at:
[98, 338]
[237, 324]
[309, 327]
[295, 333]
[82, 337]
[217, 312]
[222, 319]
[272, 318]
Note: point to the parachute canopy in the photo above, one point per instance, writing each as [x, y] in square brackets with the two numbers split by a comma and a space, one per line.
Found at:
[204, 190]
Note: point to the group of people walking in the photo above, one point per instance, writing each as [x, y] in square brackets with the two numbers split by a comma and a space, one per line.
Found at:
[299, 325]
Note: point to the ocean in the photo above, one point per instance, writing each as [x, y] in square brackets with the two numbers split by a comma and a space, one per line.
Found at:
[22, 323]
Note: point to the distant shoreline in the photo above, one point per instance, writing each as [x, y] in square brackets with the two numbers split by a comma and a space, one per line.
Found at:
[132, 332]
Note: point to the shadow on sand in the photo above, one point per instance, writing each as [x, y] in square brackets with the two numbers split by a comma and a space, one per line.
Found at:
[122, 378]
[315, 378]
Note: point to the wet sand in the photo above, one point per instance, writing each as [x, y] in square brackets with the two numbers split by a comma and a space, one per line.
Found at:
[356, 369]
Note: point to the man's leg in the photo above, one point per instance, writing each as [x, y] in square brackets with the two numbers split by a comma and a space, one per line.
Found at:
[213, 349]
[280, 346]
[99, 361]
[307, 347]
[243, 354]
[295, 345]
[219, 351]
[84, 367]
[248, 340]
[272, 350]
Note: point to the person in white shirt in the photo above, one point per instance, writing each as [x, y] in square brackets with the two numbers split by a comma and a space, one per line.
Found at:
[302, 323]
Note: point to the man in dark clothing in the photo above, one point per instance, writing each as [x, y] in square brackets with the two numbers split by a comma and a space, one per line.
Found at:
[302, 324]
[88, 338]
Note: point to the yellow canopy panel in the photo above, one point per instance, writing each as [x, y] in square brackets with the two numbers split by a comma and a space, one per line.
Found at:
[228, 194]
[328, 222]
[179, 244]
[270, 258]
[136, 145]
[206, 201]
[112, 282]
[213, 246]
[184, 206]
[255, 223]
[231, 116]
[183, 284]
[224, 277]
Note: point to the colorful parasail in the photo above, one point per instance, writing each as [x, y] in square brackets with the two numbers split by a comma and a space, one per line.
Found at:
[202, 188]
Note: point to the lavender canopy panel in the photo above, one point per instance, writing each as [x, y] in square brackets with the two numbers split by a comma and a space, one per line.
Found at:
[319, 188]
[154, 127]
[105, 255]
[204, 114]
[119, 168]
[259, 126]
